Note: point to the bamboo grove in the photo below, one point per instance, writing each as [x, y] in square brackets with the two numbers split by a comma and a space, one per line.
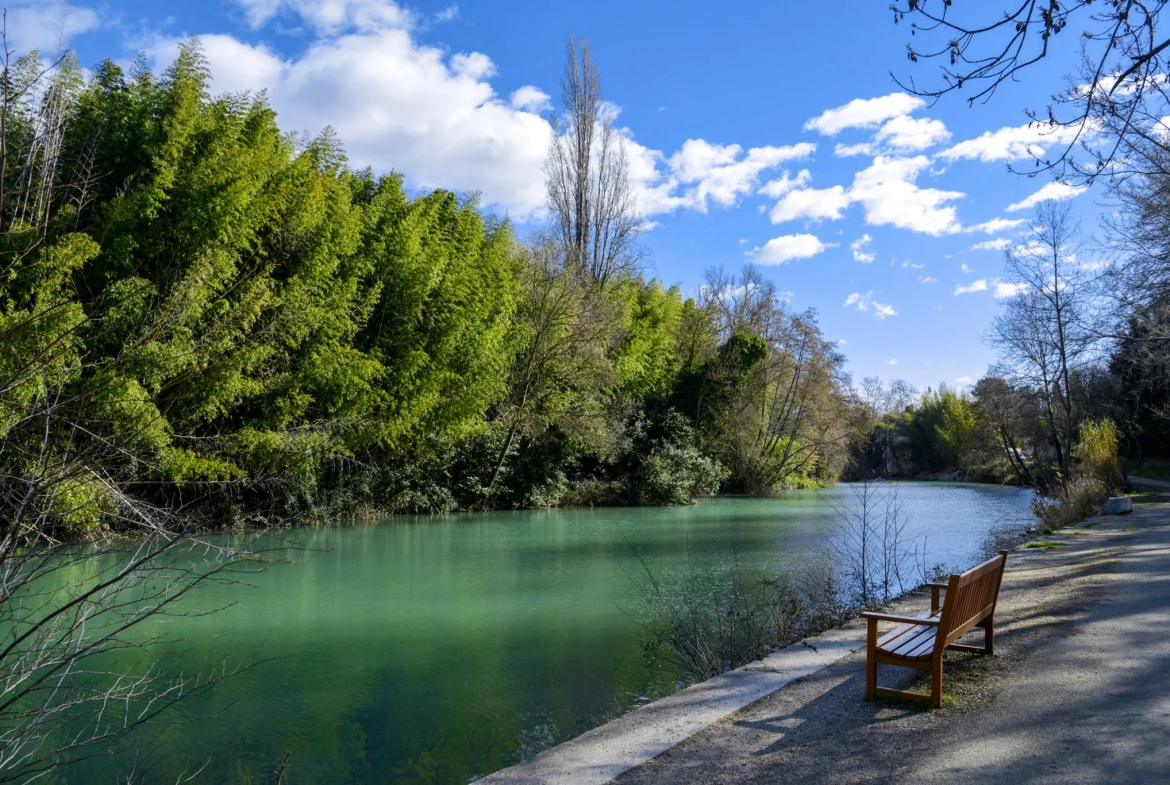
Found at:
[207, 313]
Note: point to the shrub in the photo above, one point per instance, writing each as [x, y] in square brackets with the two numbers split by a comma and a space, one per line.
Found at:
[1097, 448]
[1077, 500]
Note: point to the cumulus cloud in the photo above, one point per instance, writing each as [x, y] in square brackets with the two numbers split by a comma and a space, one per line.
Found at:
[811, 203]
[1011, 144]
[847, 150]
[998, 244]
[866, 304]
[858, 246]
[1005, 289]
[723, 173]
[891, 362]
[448, 14]
[996, 225]
[530, 99]
[700, 173]
[863, 113]
[965, 269]
[398, 105]
[46, 25]
[782, 185]
[927, 279]
[1050, 192]
[787, 247]
[974, 286]
[999, 289]
[888, 192]
[912, 134]
[330, 17]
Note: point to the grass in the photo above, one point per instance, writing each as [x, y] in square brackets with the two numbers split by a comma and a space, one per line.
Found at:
[1044, 544]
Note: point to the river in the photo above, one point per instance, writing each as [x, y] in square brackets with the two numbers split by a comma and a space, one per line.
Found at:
[440, 649]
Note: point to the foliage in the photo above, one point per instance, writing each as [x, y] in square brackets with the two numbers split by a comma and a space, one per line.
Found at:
[1097, 449]
[267, 335]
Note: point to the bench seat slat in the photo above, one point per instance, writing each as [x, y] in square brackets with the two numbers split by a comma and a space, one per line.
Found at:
[908, 641]
[919, 642]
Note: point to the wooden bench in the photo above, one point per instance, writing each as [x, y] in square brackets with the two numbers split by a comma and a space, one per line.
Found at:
[921, 640]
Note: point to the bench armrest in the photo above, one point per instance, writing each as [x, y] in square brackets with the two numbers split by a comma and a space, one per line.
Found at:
[928, 621]
[934, 585]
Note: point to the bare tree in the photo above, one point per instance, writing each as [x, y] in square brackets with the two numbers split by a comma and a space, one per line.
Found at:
[790, 417]
[878, 405]
[1042, 336]
[1114, 107]
[587, 175]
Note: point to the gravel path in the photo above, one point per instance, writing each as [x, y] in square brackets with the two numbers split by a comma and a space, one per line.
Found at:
[1079, 691]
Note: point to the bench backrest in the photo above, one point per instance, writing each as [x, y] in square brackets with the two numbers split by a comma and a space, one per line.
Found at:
[970, 599]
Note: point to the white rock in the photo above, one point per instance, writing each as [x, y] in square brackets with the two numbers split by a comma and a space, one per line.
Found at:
[1117, 505]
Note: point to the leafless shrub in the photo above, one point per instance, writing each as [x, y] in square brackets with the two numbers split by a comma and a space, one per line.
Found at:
[705, 625]
[877, 560]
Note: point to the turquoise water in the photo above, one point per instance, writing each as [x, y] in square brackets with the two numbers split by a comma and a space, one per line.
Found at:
[440, 649]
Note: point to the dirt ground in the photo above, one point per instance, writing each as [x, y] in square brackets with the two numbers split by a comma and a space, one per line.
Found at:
[1079, 691]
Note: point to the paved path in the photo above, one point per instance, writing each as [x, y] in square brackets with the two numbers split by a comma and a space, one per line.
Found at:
[1080, 691]
[1146, 482]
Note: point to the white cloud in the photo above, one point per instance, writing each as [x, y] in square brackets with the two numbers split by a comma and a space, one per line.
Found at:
[330, 17]
[999, 289]
[721, 173]
[913, 265]
[927, 279]
[912, 134]
[975, 286]
[864, 113]
[787, 247]
[963, 380]
[891, 362]
[701, 172]
[860, 254]
[530, 99]
[811, 203]
[1011, 144]
[841, 341]
[46, 25]
[448, 14]
[887, 191]
[1051, 191]
[890, 196]
[866, 304]
[965, 269]
[998, 244]
[1005, 289]
[398, 105]
[847, 150]
[996, 225]
[782, 185]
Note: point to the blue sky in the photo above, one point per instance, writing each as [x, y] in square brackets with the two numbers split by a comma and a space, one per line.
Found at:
[763, 132]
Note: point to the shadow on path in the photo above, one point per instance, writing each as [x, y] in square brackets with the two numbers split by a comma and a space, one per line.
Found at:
[1080, 691]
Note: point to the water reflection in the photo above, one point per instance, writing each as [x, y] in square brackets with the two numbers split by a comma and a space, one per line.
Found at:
[434, 650]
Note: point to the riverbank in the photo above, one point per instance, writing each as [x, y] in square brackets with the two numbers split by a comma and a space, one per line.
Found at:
[1078, 636]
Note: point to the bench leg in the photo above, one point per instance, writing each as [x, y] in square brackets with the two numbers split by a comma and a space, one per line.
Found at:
[936, 673]
[871, 661]
[989, 636]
